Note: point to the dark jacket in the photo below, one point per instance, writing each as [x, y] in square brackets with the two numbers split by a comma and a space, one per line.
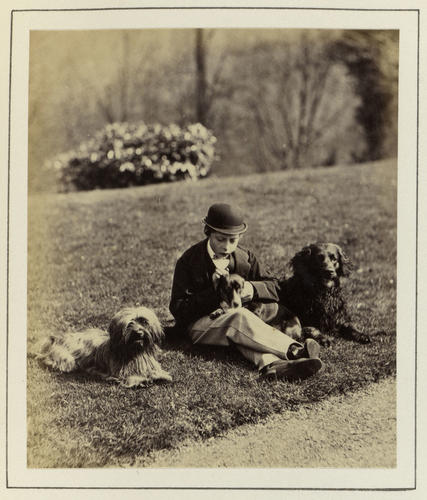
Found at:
[193, 295]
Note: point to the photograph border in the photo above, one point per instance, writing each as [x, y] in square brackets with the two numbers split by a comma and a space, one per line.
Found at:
[8, 252]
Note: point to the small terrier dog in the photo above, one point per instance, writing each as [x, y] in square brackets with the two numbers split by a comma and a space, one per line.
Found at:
[128, 353]
[229, 288]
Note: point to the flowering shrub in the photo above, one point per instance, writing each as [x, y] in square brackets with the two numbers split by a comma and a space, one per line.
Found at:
[131, 154]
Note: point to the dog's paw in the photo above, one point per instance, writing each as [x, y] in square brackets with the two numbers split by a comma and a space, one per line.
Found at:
[325, 341]
[216, 314]
[134, 381]
[163, 376]
[357, 336]
[310, 332]
[294, 333]
[292, 328]
[363, 338]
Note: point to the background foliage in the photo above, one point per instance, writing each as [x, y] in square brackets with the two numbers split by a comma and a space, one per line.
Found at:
[274, 99]
[124, 154]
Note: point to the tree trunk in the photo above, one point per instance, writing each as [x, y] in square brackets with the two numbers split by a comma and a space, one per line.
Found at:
[201, 84]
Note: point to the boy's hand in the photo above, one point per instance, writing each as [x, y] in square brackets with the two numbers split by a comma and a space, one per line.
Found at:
[217, 274]
[221, 272]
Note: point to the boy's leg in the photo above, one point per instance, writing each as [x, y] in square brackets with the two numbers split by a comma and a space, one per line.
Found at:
[259, 359]
[270, 366]
[209, 331]
[244, 328]
[258, 342]
[214, 332]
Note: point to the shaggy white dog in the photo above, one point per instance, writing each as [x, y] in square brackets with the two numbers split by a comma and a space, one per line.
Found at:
[127, 353]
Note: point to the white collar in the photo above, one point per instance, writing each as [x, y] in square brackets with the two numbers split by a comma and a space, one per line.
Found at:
[212, 254]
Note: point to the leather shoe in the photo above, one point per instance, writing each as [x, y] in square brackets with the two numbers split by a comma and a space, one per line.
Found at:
[291, 369]
[310, 349]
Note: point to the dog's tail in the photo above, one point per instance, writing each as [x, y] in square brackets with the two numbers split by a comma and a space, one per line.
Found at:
[41, 347]
[54, 355]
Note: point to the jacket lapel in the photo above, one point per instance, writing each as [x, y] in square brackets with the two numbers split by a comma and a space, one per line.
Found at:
[202, 264]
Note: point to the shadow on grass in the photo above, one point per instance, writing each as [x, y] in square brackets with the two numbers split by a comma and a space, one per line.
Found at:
[176, 340]
[76, 377]
[214, 389]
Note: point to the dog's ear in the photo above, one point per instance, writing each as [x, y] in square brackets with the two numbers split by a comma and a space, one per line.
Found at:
[224, 281]
[237, 281]
[300, 258]
[115, 329]
[345, 264]
[157, 330]
[219, 280]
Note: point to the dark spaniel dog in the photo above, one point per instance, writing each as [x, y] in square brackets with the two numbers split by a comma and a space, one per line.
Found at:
[314, 293]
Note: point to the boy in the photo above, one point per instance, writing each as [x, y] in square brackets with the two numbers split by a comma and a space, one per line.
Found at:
[193, 298]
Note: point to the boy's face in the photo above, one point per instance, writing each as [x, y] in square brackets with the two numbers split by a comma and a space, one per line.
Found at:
[223, 244]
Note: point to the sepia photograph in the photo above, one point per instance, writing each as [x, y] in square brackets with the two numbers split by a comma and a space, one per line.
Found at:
[212, 238]
[284, 143]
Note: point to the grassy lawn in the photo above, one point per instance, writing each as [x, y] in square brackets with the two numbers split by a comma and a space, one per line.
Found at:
[91, 253]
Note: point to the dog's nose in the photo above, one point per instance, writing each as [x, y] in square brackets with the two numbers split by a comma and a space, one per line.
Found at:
[326, 262]
[137, 335]
[236, 300]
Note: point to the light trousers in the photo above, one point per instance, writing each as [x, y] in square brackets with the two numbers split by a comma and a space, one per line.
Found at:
[257, 341]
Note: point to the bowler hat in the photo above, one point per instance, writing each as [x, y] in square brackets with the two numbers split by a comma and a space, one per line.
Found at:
[225, 219]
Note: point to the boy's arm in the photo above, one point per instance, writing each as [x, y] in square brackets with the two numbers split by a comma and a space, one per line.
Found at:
[186, 305]
[266, 287]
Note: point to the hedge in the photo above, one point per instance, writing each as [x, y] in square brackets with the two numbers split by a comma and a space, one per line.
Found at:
[132, 154]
